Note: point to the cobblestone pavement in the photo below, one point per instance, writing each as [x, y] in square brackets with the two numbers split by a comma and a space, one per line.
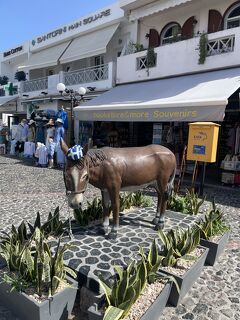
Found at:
[25, 189]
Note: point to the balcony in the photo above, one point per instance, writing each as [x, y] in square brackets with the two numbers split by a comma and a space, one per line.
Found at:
[35, 85]
[181, 57]
[101, 77]
[87, 75]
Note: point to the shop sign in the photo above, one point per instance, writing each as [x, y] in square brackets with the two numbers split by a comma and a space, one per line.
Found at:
[12, 51]
[163, 114]
[71, 27]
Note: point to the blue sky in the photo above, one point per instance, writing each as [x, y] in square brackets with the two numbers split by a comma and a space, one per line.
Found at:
[22, 20]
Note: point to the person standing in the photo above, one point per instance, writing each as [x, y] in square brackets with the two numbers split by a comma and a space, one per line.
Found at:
[29, 146]
[50, 131]
[59, 134]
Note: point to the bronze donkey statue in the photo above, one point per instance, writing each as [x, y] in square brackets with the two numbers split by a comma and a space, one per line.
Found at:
[120, 169]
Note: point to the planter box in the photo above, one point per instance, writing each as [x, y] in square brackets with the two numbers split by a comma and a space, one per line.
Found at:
[186, 281]
[215, 249]
[26, 308]
[153, 313]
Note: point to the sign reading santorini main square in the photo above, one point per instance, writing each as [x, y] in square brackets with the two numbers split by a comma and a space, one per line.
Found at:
[65, 29]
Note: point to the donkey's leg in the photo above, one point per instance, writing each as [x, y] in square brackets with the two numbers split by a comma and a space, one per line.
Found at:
[157, 216]
[115, 202]
[162, 186]
[106, 212]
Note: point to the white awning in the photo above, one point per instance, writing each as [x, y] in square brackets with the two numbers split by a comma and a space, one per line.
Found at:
[7, 99]
[89, 45]
[154, 7]
[198, 97]
[45, 58]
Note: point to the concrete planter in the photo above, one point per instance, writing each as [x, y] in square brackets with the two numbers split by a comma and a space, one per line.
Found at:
[215, 249]
[186, 281]
[153, 313]
[59, 307]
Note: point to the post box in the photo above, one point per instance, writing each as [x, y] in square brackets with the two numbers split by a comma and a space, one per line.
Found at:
[202, 141]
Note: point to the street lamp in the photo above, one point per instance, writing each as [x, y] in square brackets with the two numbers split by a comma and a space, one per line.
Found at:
[73, 95]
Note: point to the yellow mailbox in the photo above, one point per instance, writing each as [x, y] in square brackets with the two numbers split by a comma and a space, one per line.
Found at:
[202, 141]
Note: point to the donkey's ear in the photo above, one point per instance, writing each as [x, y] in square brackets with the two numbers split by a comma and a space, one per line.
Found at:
[85, 149]
[64, 146]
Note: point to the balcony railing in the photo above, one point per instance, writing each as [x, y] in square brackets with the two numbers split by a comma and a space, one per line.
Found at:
[142, 63]
[221, 45]
[35, 85]
[86, 75]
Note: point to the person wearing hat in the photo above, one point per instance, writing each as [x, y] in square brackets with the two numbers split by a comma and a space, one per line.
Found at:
[50, 131]
[31, 131]
[59, 134]
[29, 145]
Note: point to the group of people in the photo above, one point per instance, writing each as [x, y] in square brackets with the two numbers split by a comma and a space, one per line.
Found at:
[25, 142]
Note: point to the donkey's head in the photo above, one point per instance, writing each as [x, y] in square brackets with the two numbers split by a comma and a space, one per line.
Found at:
[75, 177]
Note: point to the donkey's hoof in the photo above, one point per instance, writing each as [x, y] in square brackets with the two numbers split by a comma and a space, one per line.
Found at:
[112, 235]
[159, 226]
[155, 221]
[102, 231]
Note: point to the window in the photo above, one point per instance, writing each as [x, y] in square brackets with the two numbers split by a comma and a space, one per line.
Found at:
[232, 18]
[171, 33]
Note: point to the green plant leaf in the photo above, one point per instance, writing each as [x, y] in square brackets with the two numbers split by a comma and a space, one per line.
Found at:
[113, 313]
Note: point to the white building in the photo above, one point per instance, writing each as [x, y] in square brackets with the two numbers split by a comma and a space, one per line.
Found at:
[181, 65]
[192, 74]
[82, 53]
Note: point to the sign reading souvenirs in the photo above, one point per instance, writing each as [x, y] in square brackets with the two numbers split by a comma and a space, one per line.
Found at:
[12, 51]
[163, 114]
[73, 26]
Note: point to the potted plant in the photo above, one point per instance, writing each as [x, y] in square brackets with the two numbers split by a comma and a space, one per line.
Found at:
[130, 291]
[34, 282]
[183, 258]
[3, 80]
[20, 76]
[214, 234]
[188, 204]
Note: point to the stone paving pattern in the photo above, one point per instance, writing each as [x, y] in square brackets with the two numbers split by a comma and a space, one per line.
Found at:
[25, 189]
[92, 255]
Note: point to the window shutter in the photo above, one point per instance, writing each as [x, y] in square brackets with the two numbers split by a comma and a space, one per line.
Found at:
[215, 21]
[154, 39]
[187, 29]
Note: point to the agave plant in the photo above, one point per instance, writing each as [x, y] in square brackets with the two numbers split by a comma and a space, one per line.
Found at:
[213, 224]
[178, 244]
[127, 287]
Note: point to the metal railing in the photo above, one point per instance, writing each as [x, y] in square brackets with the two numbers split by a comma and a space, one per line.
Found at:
[142, 63]
[221, 45]
[35, 85]
[86, 75]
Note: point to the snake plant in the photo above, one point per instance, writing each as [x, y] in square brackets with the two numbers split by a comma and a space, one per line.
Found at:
[94, 211]
[35, 264]
[178, 244]
[127, 287]
[52, 227]
[188, 204]
[213, 224]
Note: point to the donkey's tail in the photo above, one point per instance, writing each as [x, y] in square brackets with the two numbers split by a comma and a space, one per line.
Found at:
[170, 185]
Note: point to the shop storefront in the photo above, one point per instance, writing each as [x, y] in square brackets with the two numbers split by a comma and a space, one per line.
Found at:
[159, 111]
